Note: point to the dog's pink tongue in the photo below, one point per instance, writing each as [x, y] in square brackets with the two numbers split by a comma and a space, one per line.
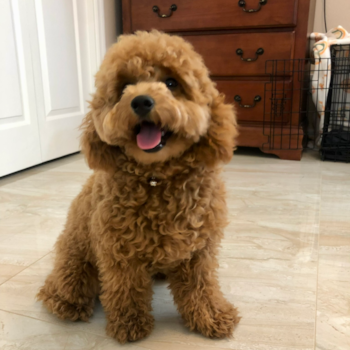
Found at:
[149, 136]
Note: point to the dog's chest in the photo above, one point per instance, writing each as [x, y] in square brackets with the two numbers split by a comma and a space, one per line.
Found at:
[161, 224]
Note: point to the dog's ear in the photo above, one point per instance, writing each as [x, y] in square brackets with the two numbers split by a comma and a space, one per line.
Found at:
[98, 153]
[222, 130]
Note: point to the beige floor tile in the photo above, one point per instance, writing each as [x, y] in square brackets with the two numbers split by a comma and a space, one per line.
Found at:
[21, 332]
[284, 261]
[18, 295]
[7, 271]
[48, 184]
[42, 168]
[25, 248]
[333, 295]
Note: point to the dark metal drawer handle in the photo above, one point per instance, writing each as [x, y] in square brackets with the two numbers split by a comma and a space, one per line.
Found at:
[241, 3]
[172, 9]
[256, 100]
[258, 53]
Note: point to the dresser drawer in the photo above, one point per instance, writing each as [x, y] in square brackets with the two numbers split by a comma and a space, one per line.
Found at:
[209, 14]
[221, 56]
[253, 104]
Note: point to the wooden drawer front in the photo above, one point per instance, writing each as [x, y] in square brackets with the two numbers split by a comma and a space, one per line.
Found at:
[209, 14]
[220, 56]
[277, 110]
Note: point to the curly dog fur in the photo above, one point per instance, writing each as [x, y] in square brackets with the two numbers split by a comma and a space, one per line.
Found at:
[120, 230]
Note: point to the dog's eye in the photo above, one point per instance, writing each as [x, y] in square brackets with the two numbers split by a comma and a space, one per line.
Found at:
[171, 83]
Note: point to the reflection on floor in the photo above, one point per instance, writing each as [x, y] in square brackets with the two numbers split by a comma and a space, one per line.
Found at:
[285, 260]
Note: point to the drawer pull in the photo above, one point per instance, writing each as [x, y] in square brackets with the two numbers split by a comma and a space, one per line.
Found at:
[256, 100]
[258, 53]
[172, 9]
[241, 3]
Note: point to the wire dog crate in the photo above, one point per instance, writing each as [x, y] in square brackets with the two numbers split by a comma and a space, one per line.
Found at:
[307, 104]
[335, 143]
[284, 98]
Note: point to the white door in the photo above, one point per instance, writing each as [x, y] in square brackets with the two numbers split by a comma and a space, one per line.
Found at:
[62, 74]
[19, 134]
[49, 53]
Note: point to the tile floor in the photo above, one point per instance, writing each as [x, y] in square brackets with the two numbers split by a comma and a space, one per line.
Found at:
[285, 260]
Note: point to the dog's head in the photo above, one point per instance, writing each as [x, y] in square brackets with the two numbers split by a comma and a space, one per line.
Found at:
[154, 100]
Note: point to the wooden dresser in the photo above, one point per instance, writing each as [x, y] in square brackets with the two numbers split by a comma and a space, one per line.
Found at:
[236, 38]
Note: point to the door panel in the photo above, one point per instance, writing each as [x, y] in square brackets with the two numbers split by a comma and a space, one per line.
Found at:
[19, 135]
[58, 54]
[61, 61]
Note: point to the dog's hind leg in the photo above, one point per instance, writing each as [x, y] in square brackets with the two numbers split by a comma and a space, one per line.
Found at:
[70, 290]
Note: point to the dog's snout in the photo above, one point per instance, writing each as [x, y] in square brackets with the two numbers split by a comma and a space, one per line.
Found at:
[142, 105]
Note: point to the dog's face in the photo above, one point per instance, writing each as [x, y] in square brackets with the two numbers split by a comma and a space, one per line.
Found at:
[154, 100]
[155, 116]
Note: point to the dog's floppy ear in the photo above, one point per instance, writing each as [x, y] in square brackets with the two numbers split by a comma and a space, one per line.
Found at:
[222, 130]
[98, 153]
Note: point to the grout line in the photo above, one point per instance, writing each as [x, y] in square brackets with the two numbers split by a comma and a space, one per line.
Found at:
[65, 326]
[13, 275]
[31, 317]
[25, 268]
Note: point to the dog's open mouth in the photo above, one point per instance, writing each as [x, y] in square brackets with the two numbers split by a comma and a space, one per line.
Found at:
[151, 137]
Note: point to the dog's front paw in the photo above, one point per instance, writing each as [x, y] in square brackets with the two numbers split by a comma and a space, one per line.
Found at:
[129, 329]
[214, 322]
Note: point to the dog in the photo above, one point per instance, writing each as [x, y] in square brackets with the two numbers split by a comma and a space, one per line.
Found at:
[156, 135]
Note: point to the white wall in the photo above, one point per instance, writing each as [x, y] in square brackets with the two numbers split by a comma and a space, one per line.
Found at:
[113, 20]
[338, 13]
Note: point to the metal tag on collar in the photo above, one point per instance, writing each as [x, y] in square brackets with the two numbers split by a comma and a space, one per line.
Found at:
[153, 181]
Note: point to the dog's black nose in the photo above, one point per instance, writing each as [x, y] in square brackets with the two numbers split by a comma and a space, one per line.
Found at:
[142, 105]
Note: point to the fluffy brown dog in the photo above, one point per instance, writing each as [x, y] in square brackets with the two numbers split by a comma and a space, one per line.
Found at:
[156, 136]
